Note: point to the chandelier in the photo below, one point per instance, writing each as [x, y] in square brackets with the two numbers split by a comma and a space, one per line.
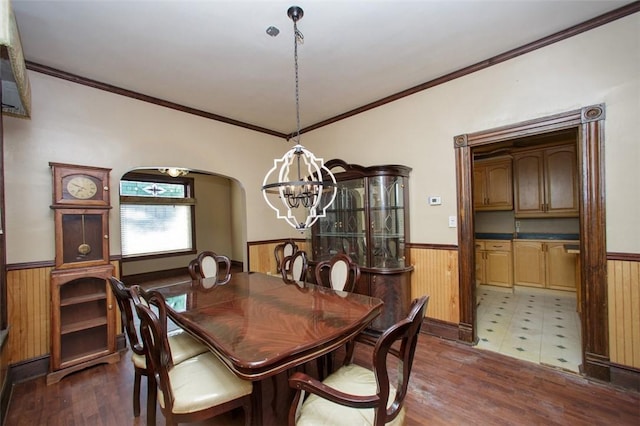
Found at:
[299, 187]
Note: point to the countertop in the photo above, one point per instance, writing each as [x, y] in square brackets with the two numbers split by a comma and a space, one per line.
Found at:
[526, 236]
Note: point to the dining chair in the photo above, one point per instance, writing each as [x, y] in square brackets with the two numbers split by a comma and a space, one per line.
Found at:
[182, 346]
[193, 390]
[294, 267]
[209, 264]
[339, 273]
[282, 250]
[358, 395]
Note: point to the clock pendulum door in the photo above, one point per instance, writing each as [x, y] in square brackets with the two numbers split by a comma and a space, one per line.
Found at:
[81, 237]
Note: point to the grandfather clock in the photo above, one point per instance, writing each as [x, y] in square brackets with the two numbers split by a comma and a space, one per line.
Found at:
[83, 316]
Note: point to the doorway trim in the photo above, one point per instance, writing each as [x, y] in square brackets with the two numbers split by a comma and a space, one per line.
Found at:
[589, 123]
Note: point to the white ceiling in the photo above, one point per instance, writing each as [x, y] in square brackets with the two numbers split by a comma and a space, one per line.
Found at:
[215, 55]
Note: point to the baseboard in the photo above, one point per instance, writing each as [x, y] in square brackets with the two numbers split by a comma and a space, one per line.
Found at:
[444, 329]
[29, 369]
[121, 342]
[625, 377]
[154, 275]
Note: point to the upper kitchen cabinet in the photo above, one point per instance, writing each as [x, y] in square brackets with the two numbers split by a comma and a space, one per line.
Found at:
[546, 182]
[492, 184]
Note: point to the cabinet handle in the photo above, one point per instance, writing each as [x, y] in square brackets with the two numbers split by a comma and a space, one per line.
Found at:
[106, 237]
[110, 307]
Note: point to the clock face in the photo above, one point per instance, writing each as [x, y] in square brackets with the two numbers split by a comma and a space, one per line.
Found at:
[81, 187]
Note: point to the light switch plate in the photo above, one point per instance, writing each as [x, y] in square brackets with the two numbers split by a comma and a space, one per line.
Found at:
[453, 222]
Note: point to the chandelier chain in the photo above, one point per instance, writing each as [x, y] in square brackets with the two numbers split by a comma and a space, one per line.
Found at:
[297, 37]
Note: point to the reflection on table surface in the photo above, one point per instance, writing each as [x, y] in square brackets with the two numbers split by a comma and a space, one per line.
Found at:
[260, 325]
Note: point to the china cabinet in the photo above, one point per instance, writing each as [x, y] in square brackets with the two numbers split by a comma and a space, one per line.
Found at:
[369, 221]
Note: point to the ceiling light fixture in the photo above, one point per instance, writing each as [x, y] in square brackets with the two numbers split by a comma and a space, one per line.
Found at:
[173, 171]
[299, 183]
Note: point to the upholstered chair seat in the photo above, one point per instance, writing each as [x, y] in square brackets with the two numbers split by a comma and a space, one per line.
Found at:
[202, 382]
[182, 345]
[354, 380]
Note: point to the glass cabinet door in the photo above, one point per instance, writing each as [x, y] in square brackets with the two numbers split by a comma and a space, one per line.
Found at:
[343, 229]
[386, 201]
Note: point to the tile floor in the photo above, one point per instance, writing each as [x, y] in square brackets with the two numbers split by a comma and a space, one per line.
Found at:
[532, 324]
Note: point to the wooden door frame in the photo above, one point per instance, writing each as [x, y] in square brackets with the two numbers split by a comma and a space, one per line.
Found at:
[589, 123]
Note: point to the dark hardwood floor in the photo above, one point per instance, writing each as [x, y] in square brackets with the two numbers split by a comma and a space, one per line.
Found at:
[451, 384]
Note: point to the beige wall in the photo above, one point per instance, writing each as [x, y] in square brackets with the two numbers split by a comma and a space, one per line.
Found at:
[77, 124]
[80, 125]
[602, 65]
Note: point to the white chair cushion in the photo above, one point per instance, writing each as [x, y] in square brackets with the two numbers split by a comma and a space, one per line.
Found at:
[203, 381]
[139, 361]
[351, 379]
[182, 346]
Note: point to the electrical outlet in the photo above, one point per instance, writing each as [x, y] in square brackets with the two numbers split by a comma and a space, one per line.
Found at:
[453, 222]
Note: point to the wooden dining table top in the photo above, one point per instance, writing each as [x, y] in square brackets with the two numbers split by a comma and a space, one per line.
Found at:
[260, 325]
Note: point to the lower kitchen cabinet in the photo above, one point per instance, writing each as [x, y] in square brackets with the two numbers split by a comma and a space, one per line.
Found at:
[494, 263]
[544, 264]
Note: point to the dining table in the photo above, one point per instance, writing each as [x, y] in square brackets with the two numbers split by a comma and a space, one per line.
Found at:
[262, 326]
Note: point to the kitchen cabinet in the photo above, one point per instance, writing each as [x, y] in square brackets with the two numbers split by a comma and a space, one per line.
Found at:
[492, 184]
[369, 221]
[544, 264]
[546, 182]
[494, 263]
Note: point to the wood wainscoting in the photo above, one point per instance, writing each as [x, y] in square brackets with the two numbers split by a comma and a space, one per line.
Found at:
[262, 257]
[623, 278]
[435, 274]
[29, 311]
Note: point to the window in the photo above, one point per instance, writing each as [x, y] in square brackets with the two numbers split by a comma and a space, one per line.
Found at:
[156, 215]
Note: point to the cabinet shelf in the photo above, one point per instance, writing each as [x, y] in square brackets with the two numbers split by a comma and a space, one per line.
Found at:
[82, 325]
[82, 299]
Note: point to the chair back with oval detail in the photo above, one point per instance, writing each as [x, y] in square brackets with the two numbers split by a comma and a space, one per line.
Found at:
[283, 250]
[339, 273]
[209, 264]
[294, 267]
